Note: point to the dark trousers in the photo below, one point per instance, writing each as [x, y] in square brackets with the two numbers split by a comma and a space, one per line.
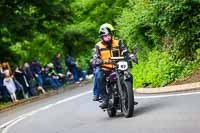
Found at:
[32, 88]
[4, 93]
[53, 82]
[74, 71]
[101, 84]
[96, 90]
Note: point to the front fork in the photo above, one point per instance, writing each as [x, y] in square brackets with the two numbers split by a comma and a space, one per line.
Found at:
[126, 76]
[119, 80]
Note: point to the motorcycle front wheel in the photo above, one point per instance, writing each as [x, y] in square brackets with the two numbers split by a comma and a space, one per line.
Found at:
[111, 109]
[127, 99]
[111, 112]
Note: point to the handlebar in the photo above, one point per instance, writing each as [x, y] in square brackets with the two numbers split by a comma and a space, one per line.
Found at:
[117, 58]
[113, 60]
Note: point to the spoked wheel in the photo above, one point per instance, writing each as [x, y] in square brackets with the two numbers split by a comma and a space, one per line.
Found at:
[127, 99]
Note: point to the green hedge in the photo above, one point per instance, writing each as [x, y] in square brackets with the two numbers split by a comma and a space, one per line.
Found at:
[160, 69]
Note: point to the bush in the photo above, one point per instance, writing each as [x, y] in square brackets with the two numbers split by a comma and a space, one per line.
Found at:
[160, 69]
[167, 34]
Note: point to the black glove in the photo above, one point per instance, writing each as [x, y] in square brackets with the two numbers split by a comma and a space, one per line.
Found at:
[98, 61]
[133, 58]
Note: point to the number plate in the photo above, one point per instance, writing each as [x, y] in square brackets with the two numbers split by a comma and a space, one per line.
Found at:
[122, 65]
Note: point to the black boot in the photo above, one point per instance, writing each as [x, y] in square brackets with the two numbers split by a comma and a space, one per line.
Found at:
[104, 104]
[95, 98]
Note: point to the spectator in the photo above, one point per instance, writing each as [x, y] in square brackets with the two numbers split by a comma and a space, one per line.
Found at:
[96, 69]
[57, 63]
[77, 73]
[36, 69]
[81, 74]
[8, 82]
[22, 78]
[69, 77]
[30, 79]
[72, 67]
[52, 77]
[1, 83]
[5, 66]
[4, 92]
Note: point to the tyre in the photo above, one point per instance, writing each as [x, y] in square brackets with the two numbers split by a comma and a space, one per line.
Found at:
[127, 99]
[111, 109]
[111, 112]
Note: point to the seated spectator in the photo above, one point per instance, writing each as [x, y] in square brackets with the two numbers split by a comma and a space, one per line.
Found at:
[73, 68]
[81, 74]
[57, 63]
[30, 79]
[21, 77]
[8, 82]
[69, 76]
[36, 69]
[52, 77]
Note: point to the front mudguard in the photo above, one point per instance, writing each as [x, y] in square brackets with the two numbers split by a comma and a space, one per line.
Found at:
[128, 77]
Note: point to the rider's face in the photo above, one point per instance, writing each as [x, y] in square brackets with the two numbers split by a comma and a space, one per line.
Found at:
[107, 38]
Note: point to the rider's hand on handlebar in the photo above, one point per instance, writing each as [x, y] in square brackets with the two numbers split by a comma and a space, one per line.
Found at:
[133, 58]
[98, 61]
[107, 62]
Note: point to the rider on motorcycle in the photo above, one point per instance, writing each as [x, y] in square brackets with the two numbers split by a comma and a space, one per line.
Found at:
[106, 48]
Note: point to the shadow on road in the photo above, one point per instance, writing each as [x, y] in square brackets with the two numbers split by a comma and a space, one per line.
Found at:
[147, 108]
[144, 108]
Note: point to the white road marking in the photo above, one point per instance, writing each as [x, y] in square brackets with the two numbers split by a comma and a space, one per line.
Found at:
[11, 123]
[166, 95]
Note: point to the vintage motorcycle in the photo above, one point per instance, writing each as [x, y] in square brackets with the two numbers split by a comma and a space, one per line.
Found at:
[119, 88]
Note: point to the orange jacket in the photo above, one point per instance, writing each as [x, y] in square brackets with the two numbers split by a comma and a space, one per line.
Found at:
[105, 53]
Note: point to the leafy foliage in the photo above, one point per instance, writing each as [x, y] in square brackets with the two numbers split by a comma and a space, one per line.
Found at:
[36, 49]
[167, 33]
[89, 15]
[160, 69]
[170, 27]
[30, 25]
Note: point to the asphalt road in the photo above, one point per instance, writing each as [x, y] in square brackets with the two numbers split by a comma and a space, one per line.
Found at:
[75, 112]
